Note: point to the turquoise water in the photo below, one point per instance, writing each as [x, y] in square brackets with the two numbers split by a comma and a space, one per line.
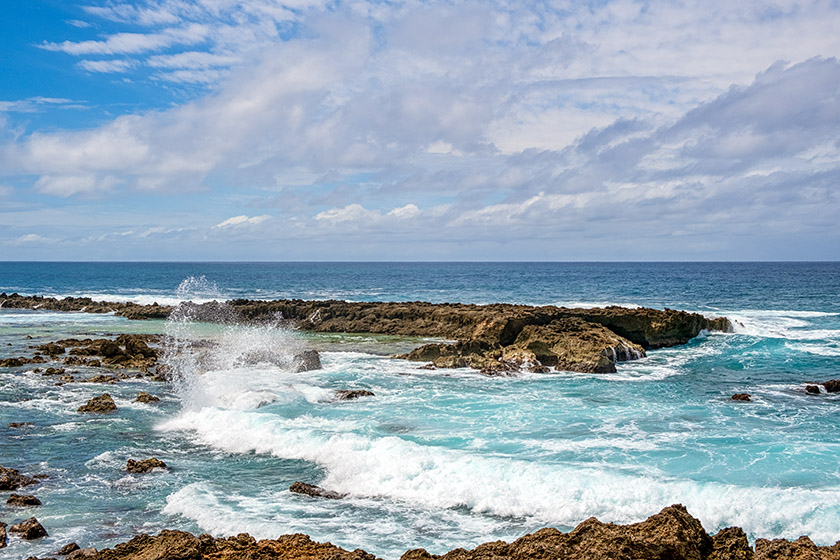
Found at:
[444, 458]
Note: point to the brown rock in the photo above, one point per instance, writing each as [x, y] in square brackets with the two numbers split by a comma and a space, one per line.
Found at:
[347, 394]
[812, 389]
[832, 386]
[82, 553]
[23, 500]
[741, 397]
[101, 404]
[800, 549]
[18, 425]
[11, 479]
[315, 491]
[144, 466]
[68, 548]
[144, 397]
[29, 529]
[2, 535]
[731, 544]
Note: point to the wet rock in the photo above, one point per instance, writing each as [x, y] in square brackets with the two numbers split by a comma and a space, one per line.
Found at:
[348, 394]
[315, 491]
[144, 397]
[19, 425]
[307, 360]
[51, 349]
[11, 479]
[2, 535]
[53, 371]
[101, 404]
[144, 466]
[29, 529]
[812, 389]
[12, 362]
[23, 500]
[68, 548]
[99, 378]
[82, 553]
[745, 397]
[427, 366]
[832, 386]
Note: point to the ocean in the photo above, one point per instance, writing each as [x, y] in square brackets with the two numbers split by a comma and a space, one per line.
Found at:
[441, 458]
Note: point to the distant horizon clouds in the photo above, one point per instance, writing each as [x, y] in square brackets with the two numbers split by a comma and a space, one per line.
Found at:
[420, 130]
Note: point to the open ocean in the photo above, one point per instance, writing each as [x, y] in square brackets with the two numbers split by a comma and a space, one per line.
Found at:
[437, 459]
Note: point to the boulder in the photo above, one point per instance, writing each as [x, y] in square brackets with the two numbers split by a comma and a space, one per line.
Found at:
[29, 529]
[23, 500]
[731, 544]
[307, 360]
[68, 548]
[82, 553]
[348, 394]
[11, 479]
[812, 389]
[101, 404]
[2, 535]
[832, 386]
[315, 491]
[144, 397]
[144, 466]
[745, 397]
[19, 425]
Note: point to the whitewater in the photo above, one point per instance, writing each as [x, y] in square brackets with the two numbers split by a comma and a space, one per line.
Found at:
[437, 458]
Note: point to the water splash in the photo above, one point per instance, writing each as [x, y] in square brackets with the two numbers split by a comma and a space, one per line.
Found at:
[198, 288]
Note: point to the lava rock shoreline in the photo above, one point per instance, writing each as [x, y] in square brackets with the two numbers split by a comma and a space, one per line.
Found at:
[496, 339]
[672, 534]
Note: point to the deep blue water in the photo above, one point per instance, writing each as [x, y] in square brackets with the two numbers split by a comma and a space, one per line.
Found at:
[441, 458]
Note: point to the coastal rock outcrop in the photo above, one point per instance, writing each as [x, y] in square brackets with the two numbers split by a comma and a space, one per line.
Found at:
[800, 549]
[744, 397]
[29, 529]
[832, 386]
[144, 466]
[350, 394]
[68, 548]
[307, 360]
[315, 491]
[11, 479]
[2, 535]
[23, 500]
[143, 397]
[100, 405]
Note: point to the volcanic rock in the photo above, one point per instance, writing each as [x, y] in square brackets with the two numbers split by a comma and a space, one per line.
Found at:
[11, 479]
[2, 535]
[68, 548]
[29, 529]
[144, 466]
[741, 397]
[812, 389]
[315, 491]
[348, 394]
[307, 360]
[144, 397]
[101, 404]
[82, 553]
[23, 500]
[800, 549]
[731, 544]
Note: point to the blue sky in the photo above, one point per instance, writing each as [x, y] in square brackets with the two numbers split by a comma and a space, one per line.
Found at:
[419, 130]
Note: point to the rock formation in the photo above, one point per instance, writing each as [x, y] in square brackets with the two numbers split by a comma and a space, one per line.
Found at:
[23, 500]
[314, 491]
[144, 466]
[101, 404]
[11, 479]
[29, 529]
[144, 397]
[745, 397]
[350, 394]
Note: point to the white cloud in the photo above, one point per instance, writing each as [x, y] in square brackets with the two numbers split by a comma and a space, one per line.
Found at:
[239, 221]
[132, 43]
[106, 66]
[31, 238]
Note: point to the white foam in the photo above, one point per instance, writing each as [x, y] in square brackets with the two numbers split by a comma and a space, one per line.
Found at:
[816, 349]
[791, 325]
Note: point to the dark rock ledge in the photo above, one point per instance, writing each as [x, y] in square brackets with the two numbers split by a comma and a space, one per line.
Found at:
[497, 339]
[672, 534]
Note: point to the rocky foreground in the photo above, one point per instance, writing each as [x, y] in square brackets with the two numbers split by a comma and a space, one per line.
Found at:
[496, 339]
[672, 534]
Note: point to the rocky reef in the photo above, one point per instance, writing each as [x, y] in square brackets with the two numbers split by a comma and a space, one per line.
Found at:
[672, 534]
[496, 339]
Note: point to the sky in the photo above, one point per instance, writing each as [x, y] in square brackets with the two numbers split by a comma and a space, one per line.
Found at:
[277, 130]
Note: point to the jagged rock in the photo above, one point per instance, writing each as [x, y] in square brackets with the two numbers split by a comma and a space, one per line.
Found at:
[348, 394]
[172, 545]
[427, 366]
[29, 529]
[101, 404]
[144, 397]
[53, 371]
[12, 362]
[812, 389]
[731, 544]
[51, 349]
[2, 535]
[741, 397]
[800, 549]
[110, 379]
[315, 491]
[18, 425]
[144, 466]
[68, 548]
[307, 360]
[23, 500]
[11, 479]
[832, 386]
